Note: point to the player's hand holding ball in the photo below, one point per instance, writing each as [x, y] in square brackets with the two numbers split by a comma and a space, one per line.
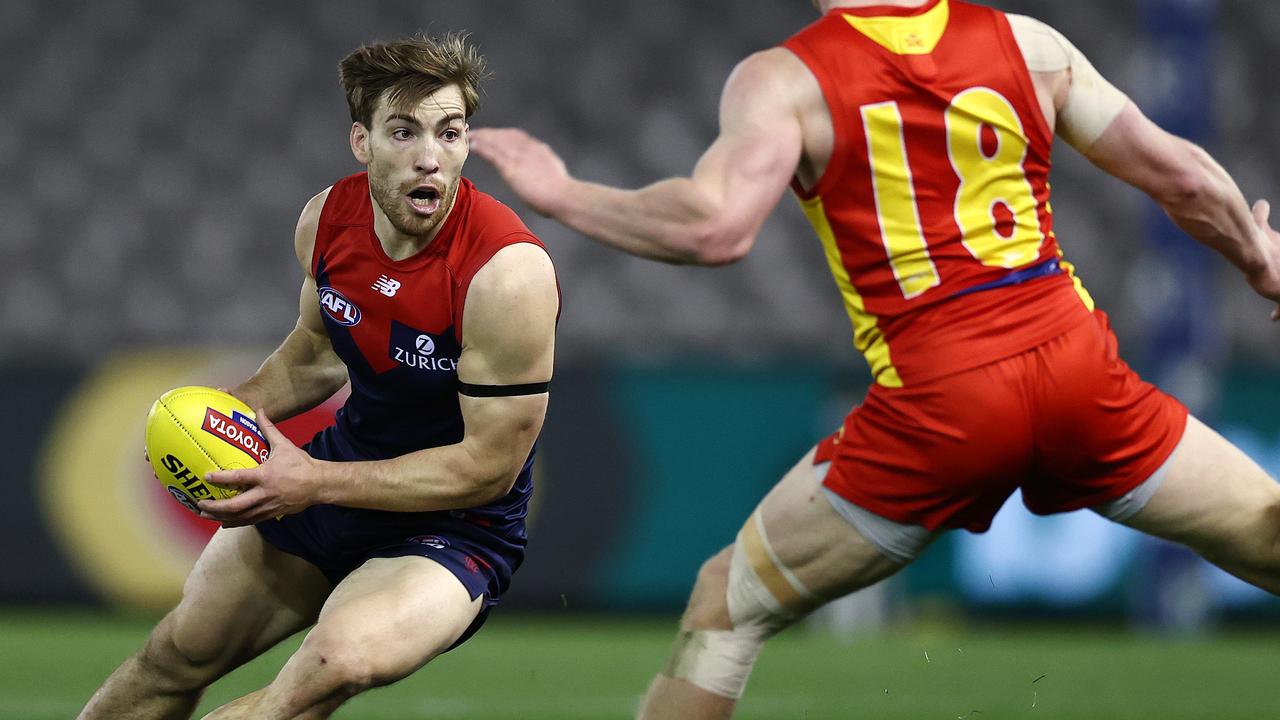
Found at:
[221, 460]
[193, 431]
[282, 485]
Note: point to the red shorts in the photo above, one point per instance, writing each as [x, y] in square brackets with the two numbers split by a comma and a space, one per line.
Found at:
[1068, 422]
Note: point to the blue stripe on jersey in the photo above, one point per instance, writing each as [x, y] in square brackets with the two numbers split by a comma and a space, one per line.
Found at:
[1017, 277]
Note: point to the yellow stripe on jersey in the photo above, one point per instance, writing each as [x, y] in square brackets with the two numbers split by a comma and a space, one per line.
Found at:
[1067, 267]
[914, 35]
[1085, 297]
[867, 337]
[896, 208]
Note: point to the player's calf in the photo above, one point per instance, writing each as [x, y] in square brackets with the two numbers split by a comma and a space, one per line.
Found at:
[163, 680]
[742, 598]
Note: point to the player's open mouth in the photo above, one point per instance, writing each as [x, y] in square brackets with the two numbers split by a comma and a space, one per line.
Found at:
[424, 199]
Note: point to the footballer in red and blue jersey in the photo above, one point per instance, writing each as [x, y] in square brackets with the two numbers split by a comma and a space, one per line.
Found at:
[397, 326]
[394, 531]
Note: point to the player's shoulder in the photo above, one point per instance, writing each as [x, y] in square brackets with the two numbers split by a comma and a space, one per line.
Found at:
[1043, 47]
[488, 217]
[346, 202]
[776, 66]
[498, 246]
[775, 76]
[490, 227]
[519, 265]
[304, 235]
[518, 280]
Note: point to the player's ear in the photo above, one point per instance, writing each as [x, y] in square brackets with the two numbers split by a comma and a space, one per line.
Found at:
[360, 142]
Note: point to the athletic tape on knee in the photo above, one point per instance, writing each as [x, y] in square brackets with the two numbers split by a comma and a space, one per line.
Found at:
[762, 591]
[720, 661]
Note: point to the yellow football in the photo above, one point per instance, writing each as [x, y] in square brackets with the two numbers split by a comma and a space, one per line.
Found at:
[194, 430]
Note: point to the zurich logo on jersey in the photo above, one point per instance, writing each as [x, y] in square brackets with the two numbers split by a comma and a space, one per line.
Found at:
[424, 351]
[338, 307]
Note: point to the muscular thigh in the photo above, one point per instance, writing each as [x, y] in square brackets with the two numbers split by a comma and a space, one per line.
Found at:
[798, 532]
[242, 597]
[392, 615]
[1216, 500]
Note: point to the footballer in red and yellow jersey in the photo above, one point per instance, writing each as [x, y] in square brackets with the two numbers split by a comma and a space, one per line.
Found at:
[938, 187]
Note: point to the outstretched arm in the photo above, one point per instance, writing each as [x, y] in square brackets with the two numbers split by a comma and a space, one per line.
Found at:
[1109, 129]
[508, 338]
[710, 218]
[1196, 192]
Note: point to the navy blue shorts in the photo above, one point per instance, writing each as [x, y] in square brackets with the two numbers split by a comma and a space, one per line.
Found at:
[480, 553]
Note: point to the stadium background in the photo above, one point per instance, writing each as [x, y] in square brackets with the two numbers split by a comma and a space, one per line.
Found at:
[156, 155]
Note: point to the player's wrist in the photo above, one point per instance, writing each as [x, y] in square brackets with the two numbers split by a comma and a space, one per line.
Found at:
[562, 200]
[245, 393]
[317, 481]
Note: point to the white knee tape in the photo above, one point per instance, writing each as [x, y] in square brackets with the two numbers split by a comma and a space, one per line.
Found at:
[720, 661]
[751, 602]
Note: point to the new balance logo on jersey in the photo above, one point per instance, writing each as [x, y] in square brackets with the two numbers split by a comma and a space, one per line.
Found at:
[386, 286]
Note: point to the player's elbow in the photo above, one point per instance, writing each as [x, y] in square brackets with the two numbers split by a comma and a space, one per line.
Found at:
[494, 486]
[1188, 184]
[1185, 190]
[492, 475]
[721, 246]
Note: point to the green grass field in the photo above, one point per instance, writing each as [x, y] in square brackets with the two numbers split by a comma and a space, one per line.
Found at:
[541, 668]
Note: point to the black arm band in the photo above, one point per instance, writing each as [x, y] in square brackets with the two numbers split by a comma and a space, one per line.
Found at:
[502, 390]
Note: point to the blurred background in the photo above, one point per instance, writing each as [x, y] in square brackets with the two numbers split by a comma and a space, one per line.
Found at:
[156, 156]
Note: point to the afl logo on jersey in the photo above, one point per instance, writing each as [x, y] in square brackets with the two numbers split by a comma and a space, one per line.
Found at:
[339, 308]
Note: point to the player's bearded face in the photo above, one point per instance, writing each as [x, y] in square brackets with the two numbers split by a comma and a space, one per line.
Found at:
[415, 161]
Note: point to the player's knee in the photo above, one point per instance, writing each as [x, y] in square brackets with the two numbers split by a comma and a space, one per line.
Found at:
[1250, 545]
[707, 609]
[731, 615]
[1265, 534]
[334, 666]
[181, 660]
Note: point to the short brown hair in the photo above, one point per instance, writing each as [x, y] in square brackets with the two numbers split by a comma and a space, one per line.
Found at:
[405, 72]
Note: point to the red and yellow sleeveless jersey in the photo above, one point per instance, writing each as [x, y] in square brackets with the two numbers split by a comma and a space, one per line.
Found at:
[934, 209]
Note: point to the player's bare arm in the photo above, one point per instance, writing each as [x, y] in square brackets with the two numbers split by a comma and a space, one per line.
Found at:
[1196, 192]
[507, 340]
[304, 371]
[1113, 133]
[710, 218]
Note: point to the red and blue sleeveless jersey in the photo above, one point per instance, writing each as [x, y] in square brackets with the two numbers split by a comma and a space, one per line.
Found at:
[397, 324]
[934, 208]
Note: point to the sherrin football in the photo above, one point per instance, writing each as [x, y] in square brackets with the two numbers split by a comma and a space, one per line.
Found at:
[194, 430]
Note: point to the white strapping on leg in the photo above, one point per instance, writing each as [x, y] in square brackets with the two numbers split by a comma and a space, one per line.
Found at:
[720, 661]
